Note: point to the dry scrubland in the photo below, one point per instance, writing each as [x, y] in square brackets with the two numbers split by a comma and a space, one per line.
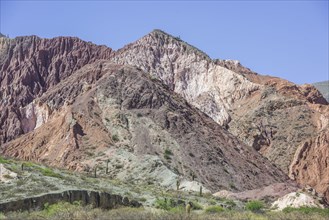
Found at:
[75, 211]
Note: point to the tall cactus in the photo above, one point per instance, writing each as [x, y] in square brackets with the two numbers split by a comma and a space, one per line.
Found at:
[177, 185]
[107, 166]
[95, 171]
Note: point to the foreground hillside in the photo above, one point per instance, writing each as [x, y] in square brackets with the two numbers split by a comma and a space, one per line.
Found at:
[34, 191]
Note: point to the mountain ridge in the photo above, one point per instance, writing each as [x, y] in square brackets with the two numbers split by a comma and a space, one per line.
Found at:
[271, 115]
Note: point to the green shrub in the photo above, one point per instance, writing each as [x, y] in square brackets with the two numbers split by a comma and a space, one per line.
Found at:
[3, 160]
[230, 203]
[7, 176]
[2, 216]
[49, 172]
[168, 152]
[232, 186]
[51, 210]
[214, 209]
[142, 199]
[178, 209]
[196, 206]
[29, 164]
[254, 206]
[115, 138]
[167, 157]
[169, 205]
[163, 204]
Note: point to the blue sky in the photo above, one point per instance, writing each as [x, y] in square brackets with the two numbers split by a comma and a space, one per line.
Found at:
[288, 39]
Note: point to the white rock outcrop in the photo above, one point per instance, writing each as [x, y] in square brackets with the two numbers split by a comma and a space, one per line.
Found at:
[296, 200]
[34, 115]
[6, 175]
[189, 72]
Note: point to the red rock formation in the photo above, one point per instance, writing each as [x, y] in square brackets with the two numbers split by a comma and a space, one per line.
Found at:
[30, 66]
[310, 165]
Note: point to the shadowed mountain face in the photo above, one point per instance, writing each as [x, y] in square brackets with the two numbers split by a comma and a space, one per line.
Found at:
[160, 109]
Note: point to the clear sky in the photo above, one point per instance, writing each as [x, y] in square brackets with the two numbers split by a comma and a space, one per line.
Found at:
[288, 39]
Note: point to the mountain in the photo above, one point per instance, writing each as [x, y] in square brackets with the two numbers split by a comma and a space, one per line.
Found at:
[159, 110]
[120, 113]
[323, 87]
[272, 115]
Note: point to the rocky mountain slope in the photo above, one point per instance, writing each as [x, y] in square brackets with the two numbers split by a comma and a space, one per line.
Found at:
[78, 116]
[30, 66]
[323, 87]
[272, 115]
[148, 133]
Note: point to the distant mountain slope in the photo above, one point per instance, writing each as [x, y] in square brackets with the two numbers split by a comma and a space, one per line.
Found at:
[323, 87]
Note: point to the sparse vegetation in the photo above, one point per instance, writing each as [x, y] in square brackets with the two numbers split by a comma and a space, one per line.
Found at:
[115, 138]
[167, 154]
[165, 204]
[3, 160]
[77, 212]
[232, 186]
[307, 210]
[48, 172]
[255, 206]
[197, 206]
[214, 209]
[172, 206]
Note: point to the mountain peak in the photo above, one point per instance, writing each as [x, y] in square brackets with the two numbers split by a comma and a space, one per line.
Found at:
[160, 34]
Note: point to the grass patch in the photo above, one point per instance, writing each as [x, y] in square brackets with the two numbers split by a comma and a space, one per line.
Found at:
[49, 172]
[196, 206]
[214, 209]
[307, 210]
[163, 204]
[3, 160]
[254, 206]
[76, 211]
